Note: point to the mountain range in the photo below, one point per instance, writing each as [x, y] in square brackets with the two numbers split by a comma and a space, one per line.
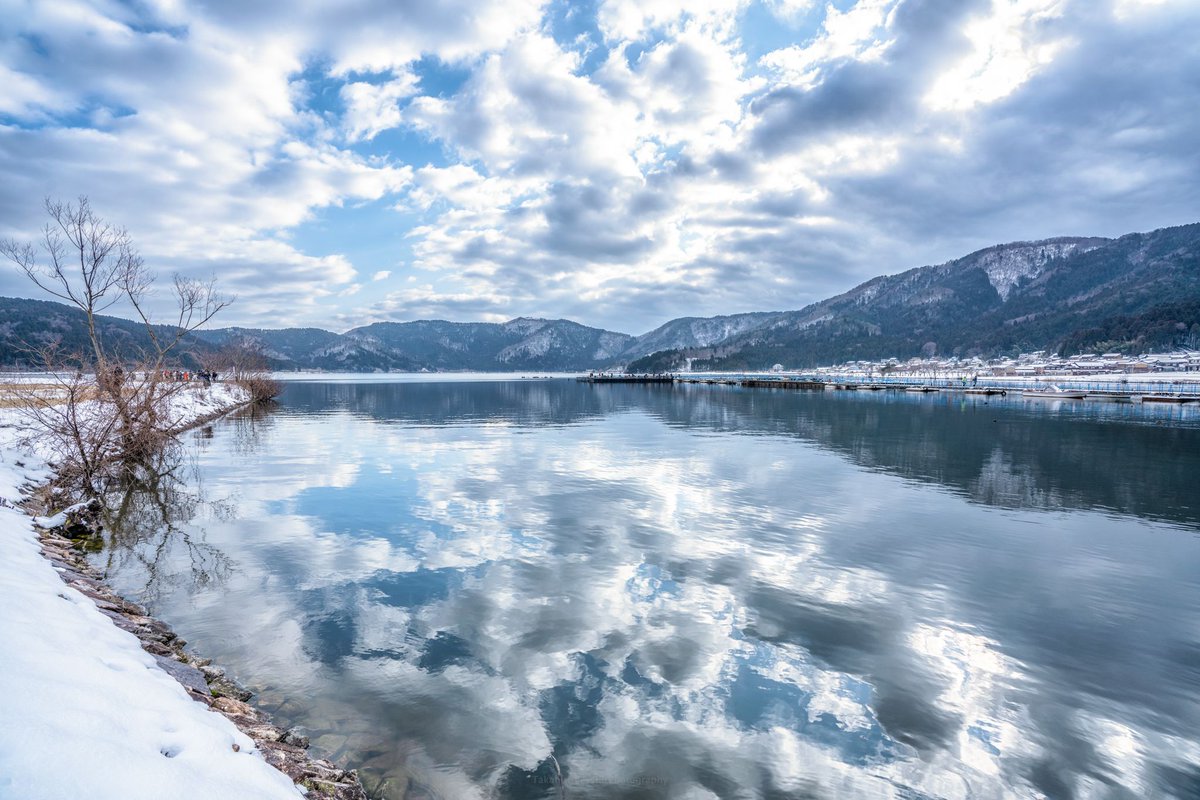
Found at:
[1068, 294]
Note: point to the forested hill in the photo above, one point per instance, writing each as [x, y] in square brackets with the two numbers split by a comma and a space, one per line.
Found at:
[1139, 292]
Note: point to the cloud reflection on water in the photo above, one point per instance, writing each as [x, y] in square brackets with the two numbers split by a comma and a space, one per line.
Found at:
[710, 594]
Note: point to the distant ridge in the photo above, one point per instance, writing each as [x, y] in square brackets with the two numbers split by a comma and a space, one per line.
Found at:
[520, 344]
[1066, 294]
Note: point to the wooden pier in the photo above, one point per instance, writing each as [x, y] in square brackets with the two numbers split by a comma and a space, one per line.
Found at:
[750, 383]
[1130, 393]
[1171, 398]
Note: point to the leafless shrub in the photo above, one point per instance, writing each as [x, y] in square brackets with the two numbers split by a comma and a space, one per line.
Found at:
[262, 387]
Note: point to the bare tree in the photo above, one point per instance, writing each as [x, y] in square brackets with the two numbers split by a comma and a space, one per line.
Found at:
[92, 265]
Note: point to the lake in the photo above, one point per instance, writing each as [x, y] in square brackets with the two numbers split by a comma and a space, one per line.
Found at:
[545, 589]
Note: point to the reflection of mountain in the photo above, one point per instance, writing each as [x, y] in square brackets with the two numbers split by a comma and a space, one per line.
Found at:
[531, 403]
[998, 453]
[1002, 483]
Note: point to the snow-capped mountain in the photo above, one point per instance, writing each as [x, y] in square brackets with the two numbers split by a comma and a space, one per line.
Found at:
[1067, 294]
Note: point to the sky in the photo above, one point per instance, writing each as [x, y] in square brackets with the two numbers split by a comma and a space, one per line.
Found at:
[615, 162]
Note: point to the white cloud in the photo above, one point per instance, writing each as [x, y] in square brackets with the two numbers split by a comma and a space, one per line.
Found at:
[684, 88]
[375, 107]
[463, 187]
[526, 112]
[630, 20]
[1006, 50]
[381, 275]
[1124, 9]
[373, 36]
[25, 97]
[790, 10]
[860, 32]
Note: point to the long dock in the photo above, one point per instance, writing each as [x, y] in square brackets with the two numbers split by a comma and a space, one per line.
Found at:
[1131, 392]
[750, 383]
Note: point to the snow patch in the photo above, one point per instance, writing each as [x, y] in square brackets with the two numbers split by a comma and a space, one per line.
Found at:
[610, 345]
[539, 344]
[1009, 265]
[60, 519]
[692, 332]
[525, 326]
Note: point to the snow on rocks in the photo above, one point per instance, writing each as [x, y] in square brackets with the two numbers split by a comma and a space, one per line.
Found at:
[1007, 265]
[64, 517]
[88, 708]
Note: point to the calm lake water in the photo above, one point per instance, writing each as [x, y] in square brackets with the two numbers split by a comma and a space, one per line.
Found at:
[466, 589]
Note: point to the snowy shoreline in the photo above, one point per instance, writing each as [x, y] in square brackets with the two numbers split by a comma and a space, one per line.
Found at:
[101, 701]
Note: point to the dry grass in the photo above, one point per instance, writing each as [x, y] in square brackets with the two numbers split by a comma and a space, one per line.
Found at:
[16, 395]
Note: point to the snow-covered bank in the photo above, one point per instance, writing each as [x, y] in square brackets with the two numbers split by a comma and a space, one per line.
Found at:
[86, 711]
[197, 403]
